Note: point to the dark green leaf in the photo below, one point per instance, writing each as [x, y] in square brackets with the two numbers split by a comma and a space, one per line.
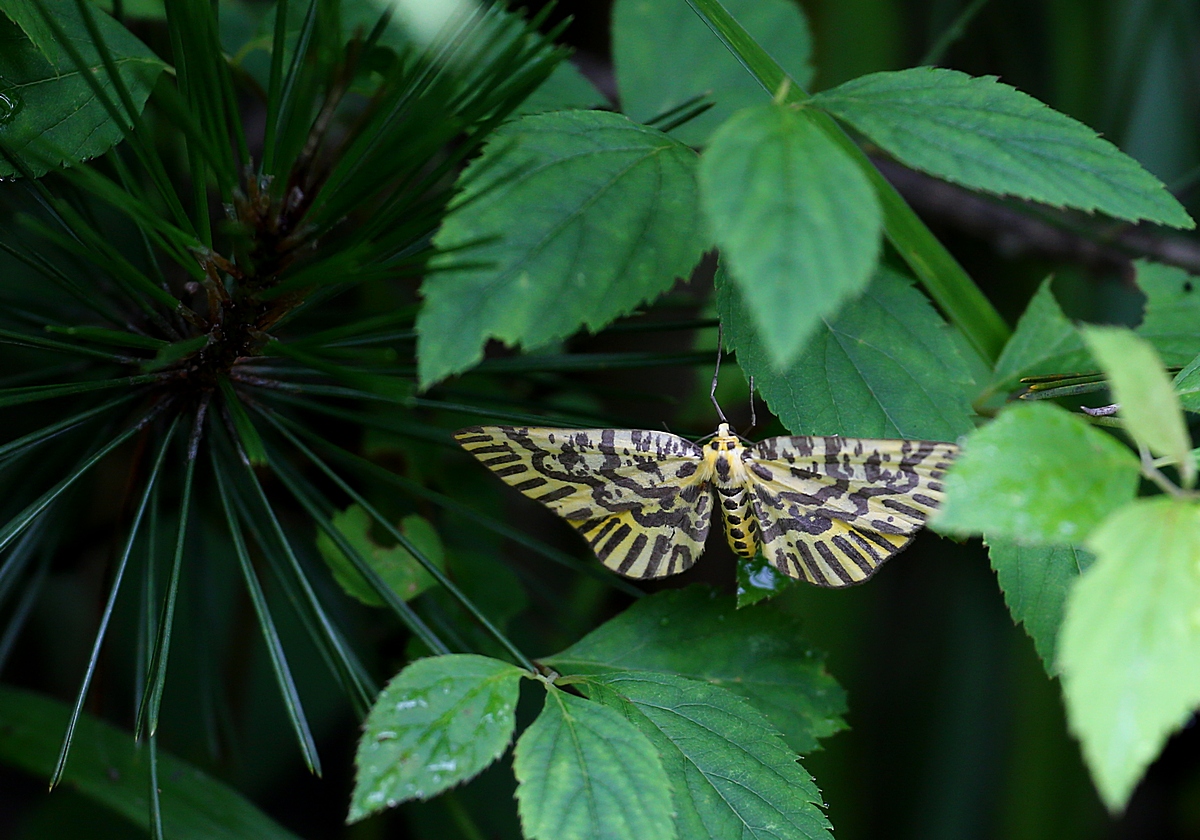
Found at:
[585, 773]
[757, 653]
[797, 221]
[109, 767]
[886, 366]
[1044, 342]
[665, 55]
[439, 722]
[565, 89]
[1149, 405]
[57, 119]
[986, 135]
[1035, 580]
[1130, 641]
[758, 580]
[399, 569]
[1037, 474]
[1172, 311]
[577, 216]
[733, 775]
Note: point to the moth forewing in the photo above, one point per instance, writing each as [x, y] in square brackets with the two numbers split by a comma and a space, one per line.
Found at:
[634, 495]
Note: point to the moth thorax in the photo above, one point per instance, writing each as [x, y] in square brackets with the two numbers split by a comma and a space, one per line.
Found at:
[741, 527]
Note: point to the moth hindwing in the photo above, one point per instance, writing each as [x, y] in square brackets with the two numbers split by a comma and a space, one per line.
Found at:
[828, 510]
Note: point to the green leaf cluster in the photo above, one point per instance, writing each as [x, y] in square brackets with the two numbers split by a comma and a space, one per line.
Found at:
[1102, 580]
[679, 734]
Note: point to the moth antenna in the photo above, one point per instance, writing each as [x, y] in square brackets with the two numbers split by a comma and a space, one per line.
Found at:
[712, 394]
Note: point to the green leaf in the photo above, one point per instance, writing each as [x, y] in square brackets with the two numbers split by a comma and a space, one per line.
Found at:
[109, 767]
[986, 135]
[665, 55]
[586, 773]
[734, 776]
[55, 118]
[398, 568]
[1131, 640]
[1037, 474]
[757, 653]
[941, 275]
[1149, 405]
[887, 366]
[797, 222]
[1035, 580]
[566, 88]
[758, 580]
[576, 218]
[1044, 342]
[1172, 311]
[1187, 385]
[439, 722]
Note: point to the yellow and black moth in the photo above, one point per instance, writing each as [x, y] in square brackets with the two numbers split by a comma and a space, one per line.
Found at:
[827, 510]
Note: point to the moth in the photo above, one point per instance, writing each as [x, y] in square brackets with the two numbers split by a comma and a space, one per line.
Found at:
[828, 510]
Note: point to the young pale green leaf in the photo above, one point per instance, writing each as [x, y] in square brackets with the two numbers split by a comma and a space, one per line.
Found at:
[574, 218]
[1187, 385]
[1149, 405]
[1044, 342]
[665, 56]
[586, 773]
[1035, 580]
[1172, 311]
[1130, 641]
[733, 775]
[109, 767]
[1037, 474]
[886, 366]
[986, 135]
[566, 88]
[757, 653]
[399, 569]
[49, 115]
[439, 722]
[797, 221]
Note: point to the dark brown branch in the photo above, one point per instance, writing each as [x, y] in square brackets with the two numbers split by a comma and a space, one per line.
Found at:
[1016, 229]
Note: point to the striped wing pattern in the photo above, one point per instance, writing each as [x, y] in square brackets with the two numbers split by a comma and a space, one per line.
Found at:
[631, 494]
[832, 509]
[829, 510]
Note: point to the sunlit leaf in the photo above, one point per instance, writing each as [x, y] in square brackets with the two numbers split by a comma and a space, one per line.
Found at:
[1131, 639]
[437, 723]
[1036, 474]
[586, 773]
[797, 221]
[1149, 405]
